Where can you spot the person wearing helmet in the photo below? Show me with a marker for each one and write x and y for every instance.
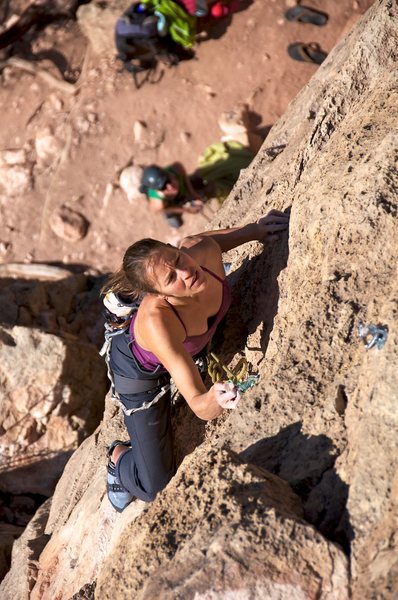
(170, 191)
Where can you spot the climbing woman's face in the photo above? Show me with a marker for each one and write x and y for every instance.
(175, 273)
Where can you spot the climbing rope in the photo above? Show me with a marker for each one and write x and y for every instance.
(238, 375)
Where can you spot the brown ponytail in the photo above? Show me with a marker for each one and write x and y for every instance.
(132, 278)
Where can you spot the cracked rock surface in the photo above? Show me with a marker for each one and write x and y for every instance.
(294, 494)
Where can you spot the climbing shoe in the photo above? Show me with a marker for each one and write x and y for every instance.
(118, 496)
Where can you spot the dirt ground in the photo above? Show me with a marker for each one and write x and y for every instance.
(245, 60)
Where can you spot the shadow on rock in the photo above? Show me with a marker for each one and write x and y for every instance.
(255, 296)
(306, 462)
(54, 381)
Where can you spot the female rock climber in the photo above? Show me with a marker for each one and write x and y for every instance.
(185, 296)
(170, 191)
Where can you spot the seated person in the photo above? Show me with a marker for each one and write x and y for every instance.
(170, 191)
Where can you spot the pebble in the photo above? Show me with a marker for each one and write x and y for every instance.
(13, 157)
(107, 196)
(92, 117)
(47, 147)
(185, 136)
(69, 224)
(15, 180)
(139, 129)
(4, 247)
(56, 102)
(130, 181)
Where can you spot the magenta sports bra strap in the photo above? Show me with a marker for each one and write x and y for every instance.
(214, 275)
(177, 315)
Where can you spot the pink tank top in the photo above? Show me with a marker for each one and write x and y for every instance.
(193, 344)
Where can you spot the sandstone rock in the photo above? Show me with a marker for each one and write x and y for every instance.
(5, 247)
(48, 147)
(98, 23)
(13, 157)
(69, 224)
(140, 130)
(25, 552)
(8, 534)
(185, 137)
(130, 181)
(56, 300)
(322, 416)
(51, 399)
(56, 102)
(15, 178)
(336, 169)
(79, 508)
(235, 125)
(148, 137)
(234, 537)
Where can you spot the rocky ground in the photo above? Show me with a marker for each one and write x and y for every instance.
(63, 146)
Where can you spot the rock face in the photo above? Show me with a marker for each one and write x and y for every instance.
(322, 418)
(53, 384)
(51, 399)
(204, 551)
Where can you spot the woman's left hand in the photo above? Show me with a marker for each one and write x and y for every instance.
(271, 225)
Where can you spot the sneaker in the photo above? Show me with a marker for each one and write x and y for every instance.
(118, 496)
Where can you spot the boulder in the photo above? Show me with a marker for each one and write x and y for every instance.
(239, 535)
(15, 173)
(69, 224)
(51, 399)
(97, 22)
(48, 147)
(130, 181)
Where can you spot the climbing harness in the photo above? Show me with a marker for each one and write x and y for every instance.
(128, 385)
(238, 376)
(121, 314)
(373, 335)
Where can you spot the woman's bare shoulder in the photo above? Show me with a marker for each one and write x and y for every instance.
(152, 306)
(155, 312)
(197, 245)
(204, 250)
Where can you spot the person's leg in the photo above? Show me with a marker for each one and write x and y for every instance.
(147, 467)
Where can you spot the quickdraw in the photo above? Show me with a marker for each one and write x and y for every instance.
(238, 375)
(373, 335)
